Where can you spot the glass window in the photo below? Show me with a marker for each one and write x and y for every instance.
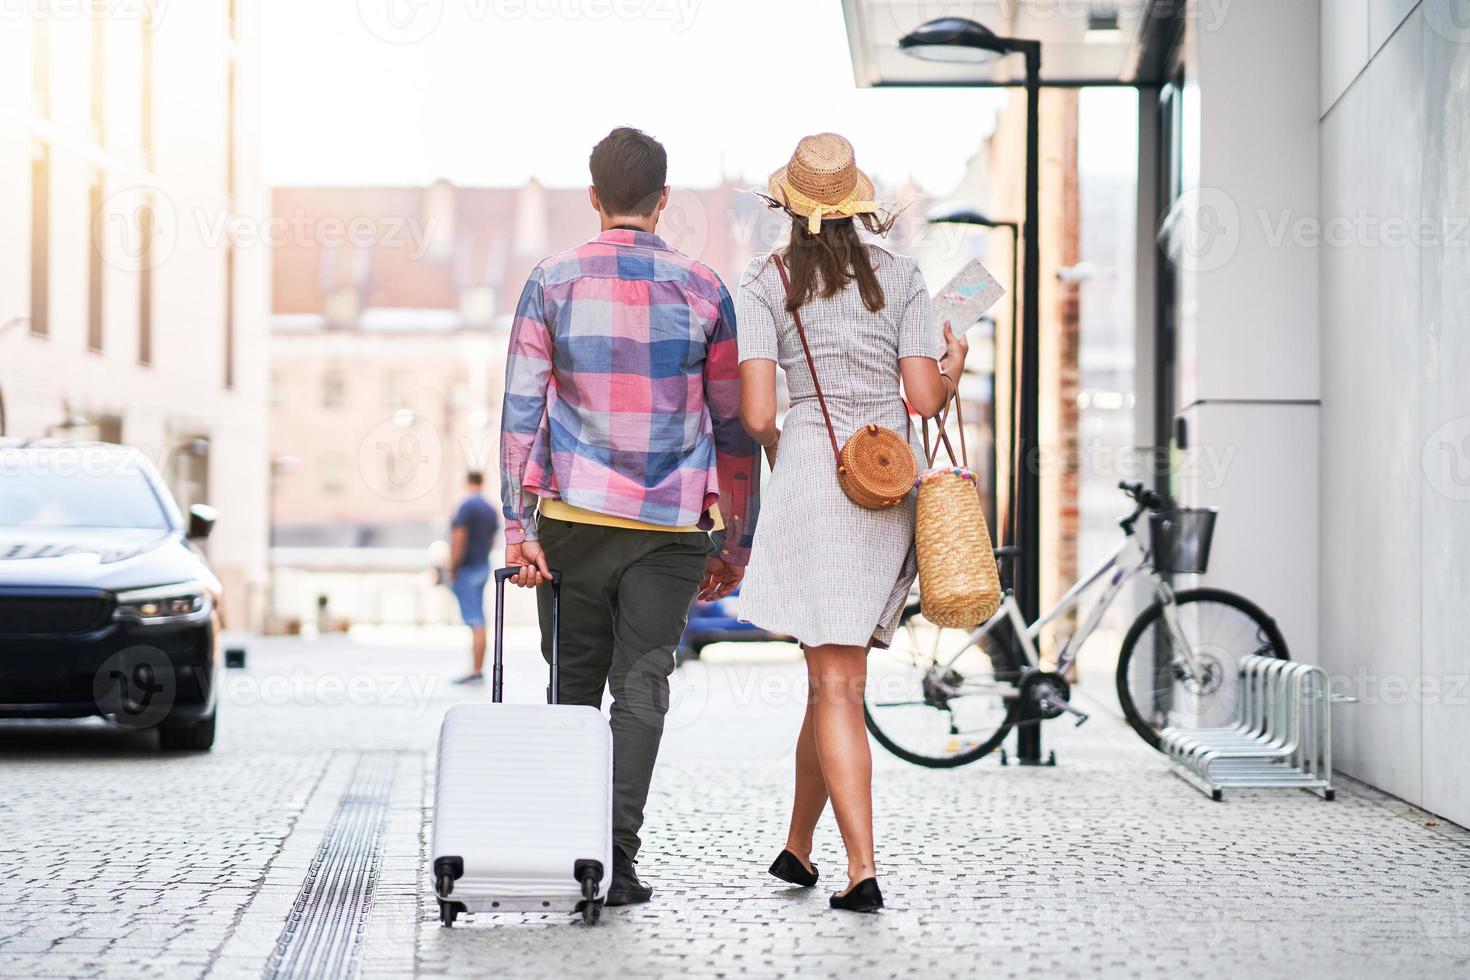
(41, 239)
(95, 263)
(40, 488)
(333, 473)
(334, 389)
(145, 280)
(396, 390)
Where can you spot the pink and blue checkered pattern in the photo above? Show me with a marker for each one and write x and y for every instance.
(622, 393)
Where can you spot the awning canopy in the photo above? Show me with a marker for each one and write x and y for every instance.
(1083, 41)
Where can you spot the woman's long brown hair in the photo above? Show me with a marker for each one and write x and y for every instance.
(823, 264)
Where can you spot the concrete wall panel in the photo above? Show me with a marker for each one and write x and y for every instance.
(1445, 422)
(1384, 17)
(1255, 335)
(1372, 580)
(1344, 47)
(1257, 463)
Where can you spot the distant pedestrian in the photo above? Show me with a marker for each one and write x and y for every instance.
(471, 535)
(825, 570)
(621, 450)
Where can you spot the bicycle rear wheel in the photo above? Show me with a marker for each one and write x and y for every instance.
(935, 699)
(1155, 687)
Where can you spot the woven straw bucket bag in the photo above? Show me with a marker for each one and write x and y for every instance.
(876, 466)
(959, 583)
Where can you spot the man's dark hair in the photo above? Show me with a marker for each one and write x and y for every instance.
(475, 478)
(629, 170)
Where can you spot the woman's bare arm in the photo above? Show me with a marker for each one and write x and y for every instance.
(758, 401)
(927, 383)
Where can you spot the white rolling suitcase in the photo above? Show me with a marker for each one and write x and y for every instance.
(522, 798)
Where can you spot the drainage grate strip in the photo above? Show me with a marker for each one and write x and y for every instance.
(323, 934)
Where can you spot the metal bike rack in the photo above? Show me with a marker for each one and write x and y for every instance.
(1281, 738)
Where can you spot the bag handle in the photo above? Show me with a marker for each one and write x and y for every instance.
(553, 689)
(810, 363)
(939, 420)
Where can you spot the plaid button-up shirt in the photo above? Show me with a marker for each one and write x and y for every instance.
(622, 393)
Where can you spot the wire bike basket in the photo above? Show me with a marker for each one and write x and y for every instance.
(1180, 539)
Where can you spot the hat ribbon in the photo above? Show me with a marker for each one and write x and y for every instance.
(847, 207)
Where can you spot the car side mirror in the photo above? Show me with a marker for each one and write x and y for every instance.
(201, 520)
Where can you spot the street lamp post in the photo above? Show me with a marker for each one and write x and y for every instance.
(957, 40)
(966, 215)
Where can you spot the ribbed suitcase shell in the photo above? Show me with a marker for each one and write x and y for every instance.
(523, 792)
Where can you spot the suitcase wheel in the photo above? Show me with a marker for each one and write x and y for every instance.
(589, 873)
(448, 912)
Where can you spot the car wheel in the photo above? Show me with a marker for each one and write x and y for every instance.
(187, 736)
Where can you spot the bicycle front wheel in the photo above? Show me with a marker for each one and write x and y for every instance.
(1159, 686)
(937, 700)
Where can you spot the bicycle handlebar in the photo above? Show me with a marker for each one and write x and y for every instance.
(1145, 497)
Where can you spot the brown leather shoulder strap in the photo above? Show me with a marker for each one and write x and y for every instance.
(810, 364)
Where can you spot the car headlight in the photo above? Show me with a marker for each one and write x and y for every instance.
(163, 604)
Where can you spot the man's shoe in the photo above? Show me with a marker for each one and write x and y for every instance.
(475, 678)
(625, 889)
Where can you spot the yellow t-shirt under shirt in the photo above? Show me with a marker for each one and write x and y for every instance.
(560, 510)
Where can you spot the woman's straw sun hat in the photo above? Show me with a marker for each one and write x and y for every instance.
(822, 180)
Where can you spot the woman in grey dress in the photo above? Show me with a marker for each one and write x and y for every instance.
(825, 570)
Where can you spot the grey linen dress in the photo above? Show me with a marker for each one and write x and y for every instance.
(823, 569)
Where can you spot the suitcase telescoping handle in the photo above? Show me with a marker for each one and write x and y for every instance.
(553, 690)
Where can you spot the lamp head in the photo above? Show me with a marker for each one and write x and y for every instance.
(961, 214)
(954, 39)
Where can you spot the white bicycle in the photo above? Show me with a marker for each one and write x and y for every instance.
(945, 698)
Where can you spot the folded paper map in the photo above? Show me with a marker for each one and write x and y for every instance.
(966, 297)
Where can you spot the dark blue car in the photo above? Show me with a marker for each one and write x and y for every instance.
(107, 604)
(716, 622)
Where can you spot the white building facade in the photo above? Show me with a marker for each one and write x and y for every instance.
(1318, 241)
(133, 298)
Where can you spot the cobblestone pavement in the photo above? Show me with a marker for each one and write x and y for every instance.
(116, 861)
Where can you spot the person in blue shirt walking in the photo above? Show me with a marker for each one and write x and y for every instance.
(472, 533)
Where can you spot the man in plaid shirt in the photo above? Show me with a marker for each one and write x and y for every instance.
(623, 462)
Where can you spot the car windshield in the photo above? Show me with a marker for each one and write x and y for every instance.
(65, 488)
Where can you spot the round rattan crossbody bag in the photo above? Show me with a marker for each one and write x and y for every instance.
(876, 467)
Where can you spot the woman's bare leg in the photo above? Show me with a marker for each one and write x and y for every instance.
(837, 677)
(811, 791)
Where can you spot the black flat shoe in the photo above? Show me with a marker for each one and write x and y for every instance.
(788, 867)
(862, 897)
(625, 888)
